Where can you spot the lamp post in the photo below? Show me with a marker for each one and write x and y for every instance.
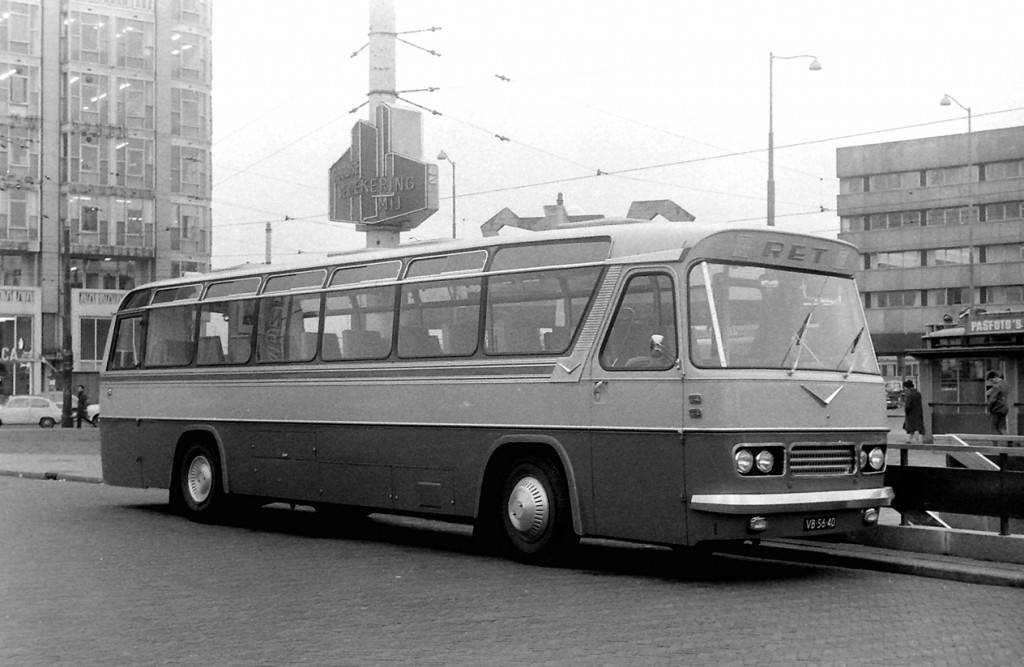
(946, 101)
(814, 67)
(444, 156)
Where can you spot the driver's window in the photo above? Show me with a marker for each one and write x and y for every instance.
(643, 333)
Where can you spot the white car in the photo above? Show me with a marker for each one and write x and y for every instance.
(30, 410)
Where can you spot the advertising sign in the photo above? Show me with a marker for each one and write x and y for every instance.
(375, 184)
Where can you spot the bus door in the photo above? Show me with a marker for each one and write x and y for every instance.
(636, 414)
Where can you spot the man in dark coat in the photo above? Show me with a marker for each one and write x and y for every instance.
(914, 422)
(996, 400)
(83, 404)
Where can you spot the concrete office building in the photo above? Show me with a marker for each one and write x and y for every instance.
(105, 129)
(915, 209)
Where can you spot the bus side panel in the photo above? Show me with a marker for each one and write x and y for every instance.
(638, 486)
(137, 455)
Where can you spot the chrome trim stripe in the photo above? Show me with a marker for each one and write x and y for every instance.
(810, 501)
(510, 428)
(823, 432)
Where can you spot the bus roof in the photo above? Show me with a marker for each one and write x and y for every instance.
(629, 238)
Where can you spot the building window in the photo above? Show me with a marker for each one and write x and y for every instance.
(853, 223)
(897, 181)
(16, 223)
(1004, 211)
(951, 175)
(133, 221)
(87, 98)
(895, 299)
(188, 113)
(999, 294)
(951, 216)
(189, 232)
(188, 170)
(906, 259)
(134, 41)
(19, 152)
(93, 332)
(945, 256)
(894, 219)
(999, 171)
(189, 53)
(135, 103)
(89, 37)
(851, 185)
(950, 296)
(191, 11)
(18, 26)
(12, 270)
(135, 163)
(1003, 252)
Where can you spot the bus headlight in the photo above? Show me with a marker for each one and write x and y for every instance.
(744, 461)
(872, 458)
(765, 461)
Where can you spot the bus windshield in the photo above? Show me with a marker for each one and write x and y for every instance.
(763, 317)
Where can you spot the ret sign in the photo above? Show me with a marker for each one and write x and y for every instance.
(374, 184)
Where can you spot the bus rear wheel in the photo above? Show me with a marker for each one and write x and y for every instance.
(197, 492)
(534, 512)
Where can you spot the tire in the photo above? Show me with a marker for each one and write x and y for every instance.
(196, 491)
(47, 422)
(534, 512)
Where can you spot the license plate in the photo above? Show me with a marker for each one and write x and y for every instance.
(819, 523)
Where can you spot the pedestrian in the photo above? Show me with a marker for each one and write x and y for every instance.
(83, 405)
(996, 400)
(913, 422)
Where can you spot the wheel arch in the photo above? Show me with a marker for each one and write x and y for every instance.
(209, 435)
(509, 447)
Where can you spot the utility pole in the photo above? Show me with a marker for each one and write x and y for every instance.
(67, 355)
(267, 260)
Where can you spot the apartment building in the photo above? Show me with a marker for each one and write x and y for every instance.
(939, 223)
(105, 126)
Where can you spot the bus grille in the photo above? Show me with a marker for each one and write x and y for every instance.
(822, 460)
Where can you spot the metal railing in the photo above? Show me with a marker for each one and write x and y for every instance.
(990, 483)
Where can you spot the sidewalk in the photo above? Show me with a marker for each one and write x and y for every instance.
(957, 555)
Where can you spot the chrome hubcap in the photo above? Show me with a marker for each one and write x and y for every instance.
(528, 507)
(199, 479)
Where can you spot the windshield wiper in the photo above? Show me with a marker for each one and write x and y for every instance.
(852, 350)
(798, 342)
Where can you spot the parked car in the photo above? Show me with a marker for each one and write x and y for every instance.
(26, 409)
(92, 414)
(894, 395)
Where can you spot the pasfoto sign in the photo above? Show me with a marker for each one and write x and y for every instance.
(375, 183)
(997, 324)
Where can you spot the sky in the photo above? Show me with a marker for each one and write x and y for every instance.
(669, 98)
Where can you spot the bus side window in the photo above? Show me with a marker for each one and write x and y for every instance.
(225, 332)
(169, 336)
(362, 320)
(287, 328)
(643, 333)
(127, 343)
(434, 311)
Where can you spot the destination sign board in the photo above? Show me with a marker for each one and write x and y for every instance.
(374, 184)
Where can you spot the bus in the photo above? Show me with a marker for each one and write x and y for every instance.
(674, 384)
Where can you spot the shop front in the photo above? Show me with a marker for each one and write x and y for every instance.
(20, 362)
(954, 362)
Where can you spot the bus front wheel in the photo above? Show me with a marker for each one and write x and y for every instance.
(197, 492)
(534, 511)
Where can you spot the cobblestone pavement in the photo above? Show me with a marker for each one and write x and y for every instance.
(99, 575)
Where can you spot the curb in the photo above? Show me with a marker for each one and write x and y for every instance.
(886, 560)
(52, 476)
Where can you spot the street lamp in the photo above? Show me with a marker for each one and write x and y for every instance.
(444, 156)
(815, 66)
(948, 100)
